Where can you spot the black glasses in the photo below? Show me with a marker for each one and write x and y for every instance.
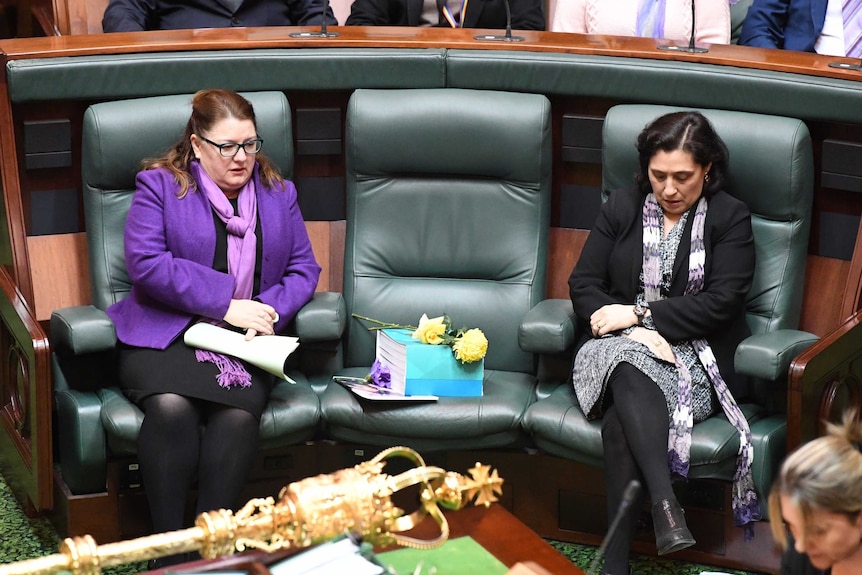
(231, 149)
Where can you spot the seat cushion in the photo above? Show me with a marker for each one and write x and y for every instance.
(291, 416)
(492, 420)
(557, 425)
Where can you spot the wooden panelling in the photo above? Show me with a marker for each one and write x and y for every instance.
(565, 247)
(60, 272)
(825, 280)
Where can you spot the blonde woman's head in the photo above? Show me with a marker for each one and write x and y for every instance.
(818, 495)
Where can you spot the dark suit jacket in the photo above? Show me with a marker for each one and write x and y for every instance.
(136, 15)
(787, 24)
(170, 246)
(609, 268)
(526, 14)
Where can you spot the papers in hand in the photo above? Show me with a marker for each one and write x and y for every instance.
(268, 352)
(367, 390)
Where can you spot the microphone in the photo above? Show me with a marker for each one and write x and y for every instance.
(691, 48)
(508, 37)
(324, 33)
(629, 496)
(846, 66)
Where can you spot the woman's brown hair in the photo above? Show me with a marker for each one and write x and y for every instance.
(208, 108)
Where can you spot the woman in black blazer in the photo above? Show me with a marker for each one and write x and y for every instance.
(659, 292)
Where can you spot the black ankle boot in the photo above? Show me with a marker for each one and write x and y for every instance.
(671, 532)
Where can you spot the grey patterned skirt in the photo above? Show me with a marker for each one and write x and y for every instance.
(598, 358)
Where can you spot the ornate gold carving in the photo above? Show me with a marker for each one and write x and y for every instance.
(310, 511)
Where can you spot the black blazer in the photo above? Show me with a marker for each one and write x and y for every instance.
(526, 14)
(795, 563)
(137, 15)
(609, 268)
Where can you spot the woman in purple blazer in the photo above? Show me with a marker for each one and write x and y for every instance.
(214, 234)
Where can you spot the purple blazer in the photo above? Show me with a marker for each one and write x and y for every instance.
(170, 247)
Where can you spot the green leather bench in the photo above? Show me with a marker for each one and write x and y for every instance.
(448, 212)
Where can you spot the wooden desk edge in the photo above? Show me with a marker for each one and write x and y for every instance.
(419, 38)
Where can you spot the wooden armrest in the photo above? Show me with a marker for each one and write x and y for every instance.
(827, 375)
(25, 416)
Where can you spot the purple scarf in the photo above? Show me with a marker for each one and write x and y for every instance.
(744, 500)
(241, 254)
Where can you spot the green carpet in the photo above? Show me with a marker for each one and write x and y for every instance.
(26, 538)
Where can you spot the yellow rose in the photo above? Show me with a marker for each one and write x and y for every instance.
(470, 346)
(430, 330)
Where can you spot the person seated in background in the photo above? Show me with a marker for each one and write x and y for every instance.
(832, 27)
(669, 19)
(526, 14)
(815, 507)
(138, 15)
(659, 292)
(214, 234)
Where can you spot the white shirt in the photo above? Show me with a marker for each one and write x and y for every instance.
(831, 39)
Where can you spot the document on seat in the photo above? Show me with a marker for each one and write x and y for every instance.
(268, 352)
(360, 387)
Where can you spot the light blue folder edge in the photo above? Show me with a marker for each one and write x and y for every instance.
(433, 369)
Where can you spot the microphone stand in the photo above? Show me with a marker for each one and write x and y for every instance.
(691, 48)
(508, 37)
(629, 496)
(324, 33)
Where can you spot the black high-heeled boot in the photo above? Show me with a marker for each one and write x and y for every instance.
(671, 531)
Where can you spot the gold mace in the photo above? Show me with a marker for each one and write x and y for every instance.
(354, 500)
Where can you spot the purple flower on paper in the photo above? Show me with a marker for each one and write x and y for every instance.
(379, 375)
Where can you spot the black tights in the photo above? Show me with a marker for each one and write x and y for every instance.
(183, 439)
(634, 441)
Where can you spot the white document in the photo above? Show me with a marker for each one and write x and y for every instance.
(268, 352)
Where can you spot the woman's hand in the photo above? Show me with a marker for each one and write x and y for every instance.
(253, 316)
(612, 317)
(653, 340)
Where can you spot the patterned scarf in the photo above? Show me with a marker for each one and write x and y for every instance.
(650, 21)
(745, 508)
(241, 254)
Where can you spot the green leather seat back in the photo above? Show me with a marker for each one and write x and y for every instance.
(448, 201)
(771, 170)
(117, 136)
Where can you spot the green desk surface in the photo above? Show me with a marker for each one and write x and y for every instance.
(460, 556)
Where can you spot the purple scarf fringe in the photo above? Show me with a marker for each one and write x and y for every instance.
(231, 370)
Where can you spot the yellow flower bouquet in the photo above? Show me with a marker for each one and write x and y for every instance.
(411, 360)
(468, 345)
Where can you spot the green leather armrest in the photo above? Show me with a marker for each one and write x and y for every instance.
(83, 458)
(768, 355)
(548, 328)
(322, 319)
(769, 438)
(82, 329)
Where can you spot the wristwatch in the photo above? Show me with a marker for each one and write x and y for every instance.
(641, 308)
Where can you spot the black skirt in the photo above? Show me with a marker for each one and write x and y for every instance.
(145, 371)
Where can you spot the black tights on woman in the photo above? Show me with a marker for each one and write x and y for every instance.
(185, 439)
(634, 439)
